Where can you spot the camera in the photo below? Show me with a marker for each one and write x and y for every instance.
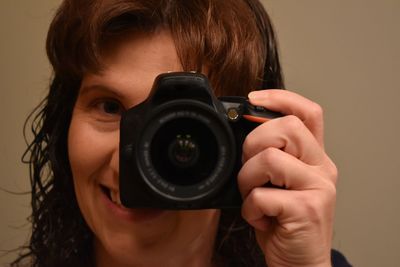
(181, 147)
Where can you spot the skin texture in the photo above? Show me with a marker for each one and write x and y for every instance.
(293, 223)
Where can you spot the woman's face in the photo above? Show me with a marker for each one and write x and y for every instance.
(121, 234)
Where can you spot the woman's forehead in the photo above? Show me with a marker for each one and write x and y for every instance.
(139, 55)
(131, 65)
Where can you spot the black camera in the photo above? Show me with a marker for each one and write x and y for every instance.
(181, 148)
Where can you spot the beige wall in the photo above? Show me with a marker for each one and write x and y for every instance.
(24, 74)
(343, 54)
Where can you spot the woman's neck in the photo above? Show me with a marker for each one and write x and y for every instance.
(197, 252)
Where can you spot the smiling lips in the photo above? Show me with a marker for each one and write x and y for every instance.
(113, 202)
(112, 195)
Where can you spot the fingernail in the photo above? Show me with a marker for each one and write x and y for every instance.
(256, 95)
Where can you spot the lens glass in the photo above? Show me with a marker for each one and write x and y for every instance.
(184, 151)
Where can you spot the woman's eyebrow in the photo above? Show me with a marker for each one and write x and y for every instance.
(99, 87)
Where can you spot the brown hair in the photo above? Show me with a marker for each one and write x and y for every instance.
(233, 39)
(227, 36)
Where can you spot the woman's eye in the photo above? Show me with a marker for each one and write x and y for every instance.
(110, 107)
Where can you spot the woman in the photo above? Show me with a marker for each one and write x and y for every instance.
(105, 56)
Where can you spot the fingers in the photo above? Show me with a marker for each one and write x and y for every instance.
(307, 190)
(290, 103)
(289, 207)
(266, 167)
(307, 193)
(288, 134)
(296, 218)
(257, 215)
(264, 203)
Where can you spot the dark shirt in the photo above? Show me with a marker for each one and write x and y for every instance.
(338, 260)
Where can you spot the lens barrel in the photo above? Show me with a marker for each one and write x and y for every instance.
(186, 151)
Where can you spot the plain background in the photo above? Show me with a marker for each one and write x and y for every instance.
(344, 54)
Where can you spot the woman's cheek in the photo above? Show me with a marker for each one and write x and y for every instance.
(90, 147)
(90, 152)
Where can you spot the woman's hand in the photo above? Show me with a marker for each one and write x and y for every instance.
(293, 222)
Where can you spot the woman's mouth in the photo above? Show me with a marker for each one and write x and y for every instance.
(113, 203)
(112, 195)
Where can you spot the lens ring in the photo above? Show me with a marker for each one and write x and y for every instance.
(200, 113)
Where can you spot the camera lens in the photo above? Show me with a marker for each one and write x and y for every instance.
(186, 152)
(183, 152)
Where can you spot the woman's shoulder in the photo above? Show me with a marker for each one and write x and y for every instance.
(338, 259)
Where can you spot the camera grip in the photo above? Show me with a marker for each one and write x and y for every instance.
(258, 114)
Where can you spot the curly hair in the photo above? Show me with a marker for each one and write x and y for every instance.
(233, 38)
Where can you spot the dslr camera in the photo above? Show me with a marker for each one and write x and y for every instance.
(181, 148)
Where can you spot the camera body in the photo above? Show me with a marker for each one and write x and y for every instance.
(181, 147)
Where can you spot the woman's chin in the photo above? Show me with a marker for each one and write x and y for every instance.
(122, 246)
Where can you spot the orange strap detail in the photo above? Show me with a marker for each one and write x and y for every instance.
(256, 119)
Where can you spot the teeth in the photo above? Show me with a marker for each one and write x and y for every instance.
(115, 197)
